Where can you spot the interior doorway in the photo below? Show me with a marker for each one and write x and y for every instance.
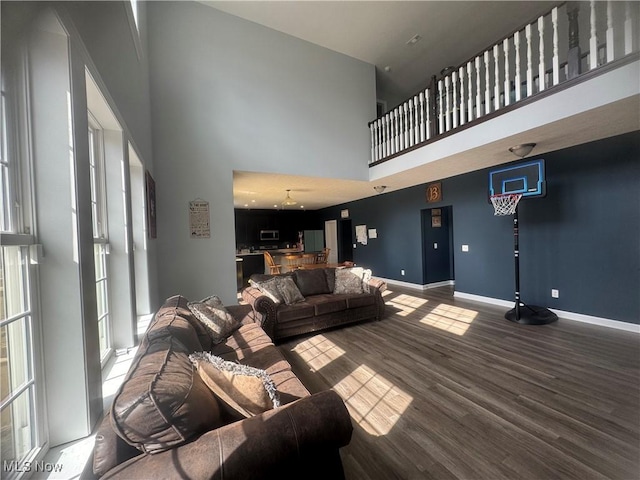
(345, 248)
(437, 246)
(331, 239)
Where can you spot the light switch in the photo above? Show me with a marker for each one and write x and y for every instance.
(465, 248)
(435, 246)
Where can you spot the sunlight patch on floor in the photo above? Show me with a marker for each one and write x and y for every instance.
(407, 304)
(318, 351)
(373, 402)
(450, 318)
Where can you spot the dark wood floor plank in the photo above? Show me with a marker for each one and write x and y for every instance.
(445, 388)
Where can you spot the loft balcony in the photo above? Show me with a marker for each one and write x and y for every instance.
(569, 77)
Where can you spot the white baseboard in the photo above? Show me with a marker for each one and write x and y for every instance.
(578, 317)
(416, 286)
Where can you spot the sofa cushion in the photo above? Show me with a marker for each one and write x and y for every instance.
(247, 339)
(357, 301)
(170, 324)
(110, 450)
(173, 306)
(243, 389)
(289, 386)
(328, 303)
(311, 282)
(330, 274)
(288, 313)
(215, 318)
(163, 402)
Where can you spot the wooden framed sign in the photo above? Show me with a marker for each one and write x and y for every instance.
(434, 192)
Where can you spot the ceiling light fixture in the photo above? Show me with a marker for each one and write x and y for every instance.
(288, 201)
(413, 40)
(380, 188)
(522, 150)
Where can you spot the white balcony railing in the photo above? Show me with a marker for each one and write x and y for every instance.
(572, 39)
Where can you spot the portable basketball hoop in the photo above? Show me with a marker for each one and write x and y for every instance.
(505, 204)
(507, 186)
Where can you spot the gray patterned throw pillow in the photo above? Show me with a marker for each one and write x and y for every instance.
(218, 322)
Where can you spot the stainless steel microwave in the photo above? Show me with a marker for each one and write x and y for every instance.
(269, 235)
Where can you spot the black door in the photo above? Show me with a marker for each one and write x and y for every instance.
(437, 245)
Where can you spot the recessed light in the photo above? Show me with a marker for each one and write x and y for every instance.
(413, 40)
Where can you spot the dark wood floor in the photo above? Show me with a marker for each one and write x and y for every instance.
(445, 388)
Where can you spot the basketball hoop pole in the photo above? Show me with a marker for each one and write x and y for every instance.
(531, 315)
(516, 255)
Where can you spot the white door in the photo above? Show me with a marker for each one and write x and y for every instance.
(331, 239)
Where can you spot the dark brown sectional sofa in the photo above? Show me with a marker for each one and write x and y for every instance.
(163, 422)
(321, 308)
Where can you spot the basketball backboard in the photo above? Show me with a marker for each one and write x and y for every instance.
(526, 178)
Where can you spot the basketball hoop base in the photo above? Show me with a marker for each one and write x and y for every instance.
(531, 315)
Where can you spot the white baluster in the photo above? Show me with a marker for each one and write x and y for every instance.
(427, 108)
(396, 129)
(440, 108)
(384, 137)
(373, 145)
(470, 90)
(628, 29)
(529, 62)
(447, 118)
(496, 77)
(416, 119)
(403, 126)
(518, 78)
(478, 90)
(593, 39)
(390, 142)
(487, 83)
(410, 123)
(541, 70)
(556, 57)
(422, 126)
(454, 99)
(463, 99)
(610, 47)
(379, 139)
(507, 79)
(405, 129)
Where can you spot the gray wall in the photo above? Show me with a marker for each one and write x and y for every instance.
(582, 239)
(227, 95)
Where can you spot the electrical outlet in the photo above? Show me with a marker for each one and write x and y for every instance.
(402, 272)
(555, 293)
(465, 248)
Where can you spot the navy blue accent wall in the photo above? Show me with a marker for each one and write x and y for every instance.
(583, 238)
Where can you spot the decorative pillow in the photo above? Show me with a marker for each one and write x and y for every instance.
(348, 280)
(270, 289)
(245, 391)
(215, 318)
(289, 291)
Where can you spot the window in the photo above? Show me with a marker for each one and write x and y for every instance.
(19, 383)
(100, 234)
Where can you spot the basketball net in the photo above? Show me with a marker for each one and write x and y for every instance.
(505, 204)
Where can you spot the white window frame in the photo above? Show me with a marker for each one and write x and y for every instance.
(100, 235)
(17, 231)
